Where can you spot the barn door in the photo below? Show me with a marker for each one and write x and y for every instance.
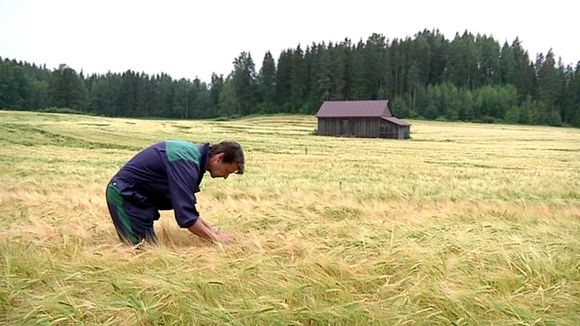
(344, 128)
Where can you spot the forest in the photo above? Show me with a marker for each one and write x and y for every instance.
(469, 78)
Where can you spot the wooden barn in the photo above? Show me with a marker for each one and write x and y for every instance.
(371, 119)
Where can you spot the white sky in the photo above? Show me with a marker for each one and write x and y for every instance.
(193, 38)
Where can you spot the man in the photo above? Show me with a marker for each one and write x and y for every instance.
(165, 176)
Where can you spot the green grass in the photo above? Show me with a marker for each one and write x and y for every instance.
(463, 224)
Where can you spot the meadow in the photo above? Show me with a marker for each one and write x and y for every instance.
(464, 224)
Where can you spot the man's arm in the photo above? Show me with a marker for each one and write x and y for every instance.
(204, 231)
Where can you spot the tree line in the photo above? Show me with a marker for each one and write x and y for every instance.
(469, 78)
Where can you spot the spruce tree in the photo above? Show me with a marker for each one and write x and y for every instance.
(244, 83)
(67, 89)
(216, 87)
(266, 81)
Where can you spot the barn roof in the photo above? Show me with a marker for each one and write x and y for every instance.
(397, 121)
(363, 109)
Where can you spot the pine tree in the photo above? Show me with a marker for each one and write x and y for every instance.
(297, 81)
(67, 89)
(420, 56)
(524, 74)
(567, 98)
(359, 82)
(266, 81)
(228, 102)
(341, 67)
(438, 46)
(312, 68)
(393, 73)
(507, 65)
(199, 96)
(127, 94)
(283, 81)
(374, 65)
(215, 90)
(575, 110)
(324, 77)
(462, 67)
(10, 80)
(548, 87)
(413, 83)
(244, 83)
(488, 54)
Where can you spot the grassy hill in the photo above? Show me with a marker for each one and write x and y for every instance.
(462, 224)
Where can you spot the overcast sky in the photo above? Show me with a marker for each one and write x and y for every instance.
(195, 38)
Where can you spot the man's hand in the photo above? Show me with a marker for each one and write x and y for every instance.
(224, 238)
(204, 231)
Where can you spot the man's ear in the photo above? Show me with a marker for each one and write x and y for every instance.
(220, 157)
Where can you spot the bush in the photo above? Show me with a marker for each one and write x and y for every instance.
(61, 110)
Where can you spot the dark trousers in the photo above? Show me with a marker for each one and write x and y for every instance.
(134, 223)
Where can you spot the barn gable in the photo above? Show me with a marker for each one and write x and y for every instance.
(360, 119)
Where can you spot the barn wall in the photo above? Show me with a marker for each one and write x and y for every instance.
(394, 131)
(349, 127)
(361, 127)
(404, 132)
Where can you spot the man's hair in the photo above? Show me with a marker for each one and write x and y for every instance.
(232, 153)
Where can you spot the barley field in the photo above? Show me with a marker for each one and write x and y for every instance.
(464, 224)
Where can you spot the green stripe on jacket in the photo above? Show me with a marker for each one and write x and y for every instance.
(182, 150)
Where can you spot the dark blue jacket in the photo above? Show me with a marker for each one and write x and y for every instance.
(165, 176)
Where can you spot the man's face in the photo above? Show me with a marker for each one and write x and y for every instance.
(219, 169)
